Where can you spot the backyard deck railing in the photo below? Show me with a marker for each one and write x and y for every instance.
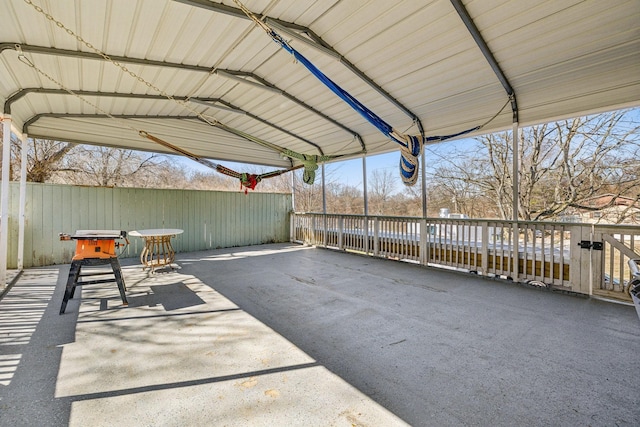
(583, 258)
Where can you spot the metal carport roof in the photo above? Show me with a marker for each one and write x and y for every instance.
(402, 59)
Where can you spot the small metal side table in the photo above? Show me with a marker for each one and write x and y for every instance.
(158, 251)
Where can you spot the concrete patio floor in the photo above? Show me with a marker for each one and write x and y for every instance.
(284, 334)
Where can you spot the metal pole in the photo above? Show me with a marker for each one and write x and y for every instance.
(515, 172)
(324, 192)
(364, 185)
(293, 190)
(424, 183)
(324, 208)
(4, 199)
(23, 200)
(515, 181)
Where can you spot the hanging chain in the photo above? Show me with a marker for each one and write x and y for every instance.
(247, 180)
(183, 103)
(207, 119)
(253, 17)
(22, 58)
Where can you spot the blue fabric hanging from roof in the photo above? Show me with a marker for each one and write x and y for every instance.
(411, 145)
(371, 117)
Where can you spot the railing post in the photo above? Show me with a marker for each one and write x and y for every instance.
(515, 252)
(340, 232)
(580, 264)
(313, 230)
(484, 248)
(365, 235)
(325, 240)
(376, 233)
(597, 261)
(423, 241)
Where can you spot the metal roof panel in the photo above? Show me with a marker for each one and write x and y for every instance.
(562, 58)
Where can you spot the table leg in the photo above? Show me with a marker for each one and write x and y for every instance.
(157, 252)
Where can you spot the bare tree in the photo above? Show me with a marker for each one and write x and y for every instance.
(111, 167)
(592, 155)
(561, 165)
(166, 174)
(381, 188)
(212, 181)
(412, 199)
(344, 199)
(45, 158)
(308, 198)
(457, 183)
(67, 163)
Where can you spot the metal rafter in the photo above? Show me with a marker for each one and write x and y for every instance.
(240, 76)
(488, 54)
(37, 117)
(314, 40)
(202, 101)
(484, 48)
(260, 80)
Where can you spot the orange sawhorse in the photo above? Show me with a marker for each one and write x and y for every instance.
(94, 248)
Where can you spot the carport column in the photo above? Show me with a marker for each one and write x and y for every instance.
(23, 200)
(365, 228)
(324, 208)
(292, 215)
(364, 185)
(423, 180)
(4, 199)
(293, 191)
(324, 192)
(515, 171)
(424, 255)
(325, 238)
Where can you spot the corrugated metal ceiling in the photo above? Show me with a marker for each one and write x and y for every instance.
(562, 57)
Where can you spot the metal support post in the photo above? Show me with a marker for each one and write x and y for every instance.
(324, 208)
(4, 202)
(423, 182)
(23, 200)
(324, 191)
(515, 171)
(364, 185)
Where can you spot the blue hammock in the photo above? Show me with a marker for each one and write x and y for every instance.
(411, 144)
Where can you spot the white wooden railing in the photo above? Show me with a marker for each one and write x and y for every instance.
(583, 258)
(620, 244)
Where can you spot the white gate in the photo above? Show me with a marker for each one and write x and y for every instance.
(618, 245)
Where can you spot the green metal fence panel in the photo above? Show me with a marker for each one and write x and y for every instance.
(210, 219)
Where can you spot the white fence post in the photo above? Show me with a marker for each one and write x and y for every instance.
(424, 232)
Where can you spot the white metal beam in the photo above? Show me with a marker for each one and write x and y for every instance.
(364, 185)
(23, 200)
(423, 181)
(515, 171)
(4, 199)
